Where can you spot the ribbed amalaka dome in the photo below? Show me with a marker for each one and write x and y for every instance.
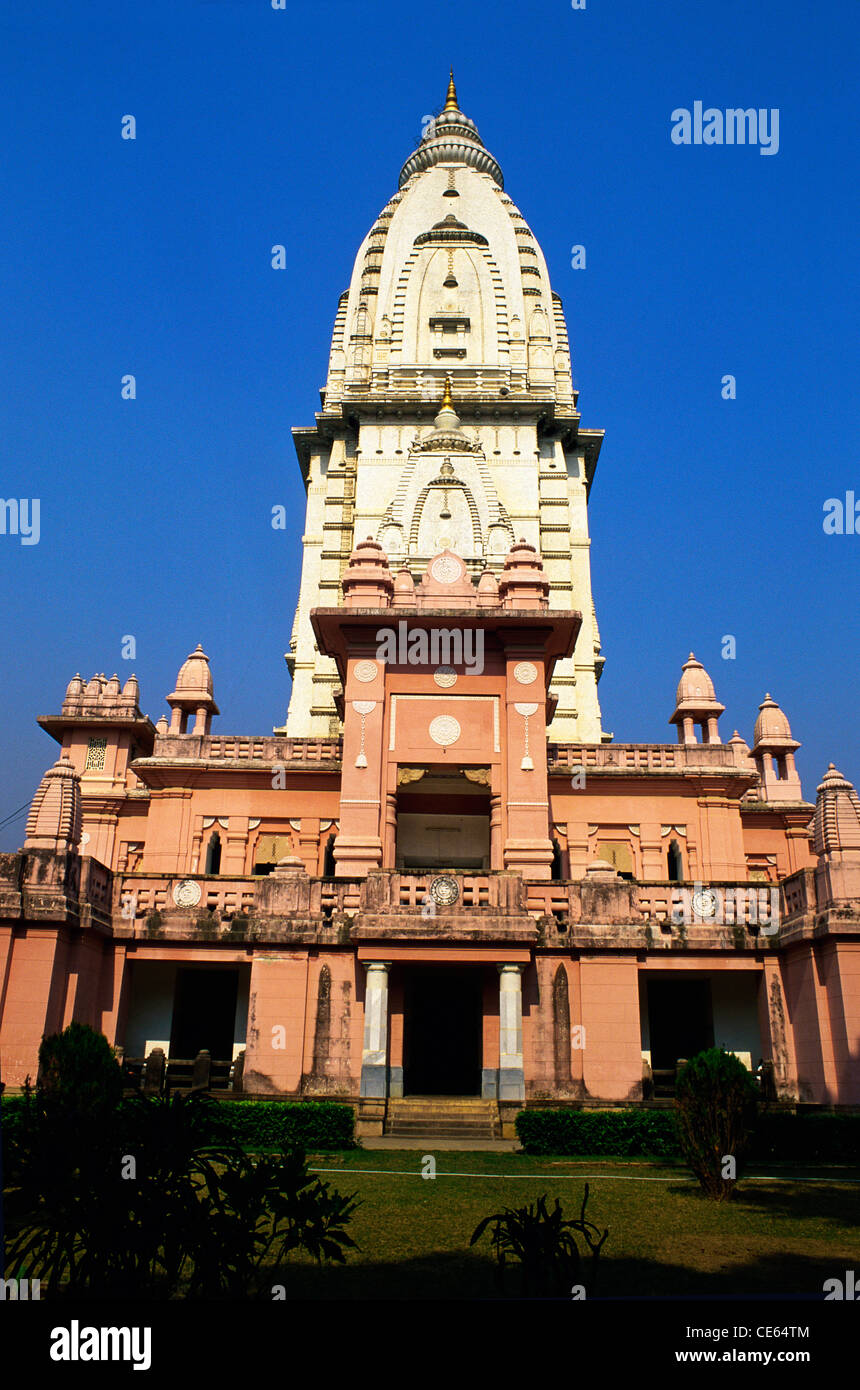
(75, 687)
(447, 433)
(521, 553)
(112, 689)
(695, 684)
(772, 728)
(54, 821)
(836, 823)
(131, 690)
(451, 138)
(195, 677)
(162, 726)
(368, 554)
(447, 417)
(93, 690)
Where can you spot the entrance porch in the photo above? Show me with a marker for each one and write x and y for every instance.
(443, 1022)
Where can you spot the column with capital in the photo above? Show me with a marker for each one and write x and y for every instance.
(374, 1051)
(512, 1084)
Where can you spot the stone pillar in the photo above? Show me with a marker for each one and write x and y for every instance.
(309, 844)
(512, 1084)
(202, 1071)
(374, 1051)
(496, 859)
(234, 852)
(389, 856)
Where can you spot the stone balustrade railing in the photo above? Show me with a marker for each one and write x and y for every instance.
(96, 886)
(639, 757)
(607, 900)
(797, 894)
(237, 748)
(394, 891)
(137, 896)
(594, 899)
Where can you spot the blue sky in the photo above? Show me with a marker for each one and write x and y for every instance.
(256, 127)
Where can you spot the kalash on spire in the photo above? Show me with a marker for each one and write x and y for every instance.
(450, 300)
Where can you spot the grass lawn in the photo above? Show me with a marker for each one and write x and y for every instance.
(776, 1237)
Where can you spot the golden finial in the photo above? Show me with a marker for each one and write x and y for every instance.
(451, 99)
(447, 402)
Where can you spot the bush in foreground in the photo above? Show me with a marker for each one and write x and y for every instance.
(717, 1098)
(544, 1246)
(146, 1202)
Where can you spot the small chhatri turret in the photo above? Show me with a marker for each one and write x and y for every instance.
(696, 703)
(194, 694)
(367, 580)
(773, 752)
(523, 582)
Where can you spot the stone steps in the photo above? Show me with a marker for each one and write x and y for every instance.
(442, 1117)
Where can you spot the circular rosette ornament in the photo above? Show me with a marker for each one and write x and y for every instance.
(444, 890)
(187, 893)
(704, 902)
(444, 730)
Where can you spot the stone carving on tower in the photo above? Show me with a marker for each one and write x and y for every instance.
(449, 417)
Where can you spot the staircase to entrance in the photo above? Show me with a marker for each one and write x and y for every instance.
(442, 1117)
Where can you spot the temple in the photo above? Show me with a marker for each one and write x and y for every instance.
(440, 888)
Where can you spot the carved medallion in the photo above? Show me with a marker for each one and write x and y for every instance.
(187, 893)
(365, 671)
(444, 730)
(445, 677)
(446, 569)
(444, 890)
(705, 902)
(525, 672)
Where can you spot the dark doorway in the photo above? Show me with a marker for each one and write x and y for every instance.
(213, 854)
(675, 863)
(442, 1031)
(329, 865)
(680, 1020)
(204, 1013)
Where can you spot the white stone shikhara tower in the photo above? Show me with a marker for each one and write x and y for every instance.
(448, 283)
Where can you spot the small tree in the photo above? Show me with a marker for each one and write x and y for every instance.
(716, 1116)
(78, 1071)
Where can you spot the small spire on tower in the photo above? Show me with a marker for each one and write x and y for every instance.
(447, 399)
(451, 98)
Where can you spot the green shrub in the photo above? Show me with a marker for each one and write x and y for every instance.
(716, 1114)
(189, 1215)
(253, 1124)
(819, 1136)
(78, 1070)
(261, 1124)
(627, 1133)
